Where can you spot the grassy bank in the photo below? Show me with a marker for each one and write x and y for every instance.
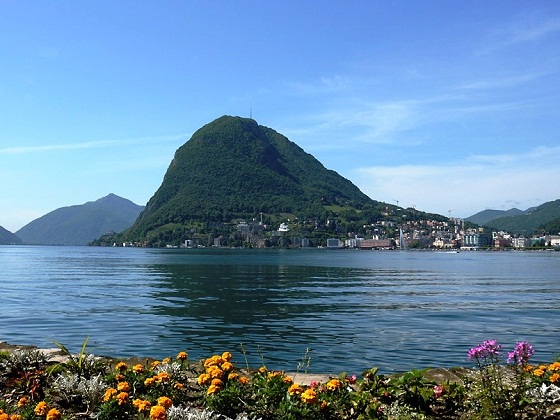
(37, 384)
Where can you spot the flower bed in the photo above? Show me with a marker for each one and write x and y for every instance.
(34, 385)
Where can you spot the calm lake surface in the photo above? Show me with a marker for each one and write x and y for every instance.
(352, 309)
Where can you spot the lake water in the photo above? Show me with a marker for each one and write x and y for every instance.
(352, 309)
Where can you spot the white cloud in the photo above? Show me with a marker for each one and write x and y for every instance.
(15, 150)
(469, 185)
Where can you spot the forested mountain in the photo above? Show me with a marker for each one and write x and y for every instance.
(80, 224)
(529, 222)
(233, 168)
(484, 216)
(8, 238)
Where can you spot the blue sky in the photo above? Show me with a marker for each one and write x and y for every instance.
(448, 106)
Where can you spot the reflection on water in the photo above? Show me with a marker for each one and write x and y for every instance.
(352, 309)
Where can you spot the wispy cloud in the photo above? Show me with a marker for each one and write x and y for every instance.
(16, 150)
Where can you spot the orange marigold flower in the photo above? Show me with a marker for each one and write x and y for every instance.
(178, 385)
(227, 366)
(122, 398)
(204, 379)
(165, 402)
(109, 394)
(138, 368)
(119, 377)
(166, 361)
(155, 364)
(182, 355)
(243, 380)
(141, 405)
(309, 396)
(554, 366)
(262, 370)
(555, 378)
(538, 372)
(16, 417)
(324, 405)
(214, 361)
(54, 414)
(233, 376)
(528, 368)
(543, 367)
(217, 382)
(215, 372)
(334, 385)
(213, 389)
(41, 409)
(157, 412)
(227, 356)
(288, 380)
(4, 416)
(121, 366)
(295, 389)
(163, 377)
(149, 381)
(123, 386)
(23, 401)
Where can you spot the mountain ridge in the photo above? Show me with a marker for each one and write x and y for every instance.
(233, 168)
(82, 223)
(8, 238)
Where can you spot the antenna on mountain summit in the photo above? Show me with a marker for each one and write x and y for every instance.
(251, 112)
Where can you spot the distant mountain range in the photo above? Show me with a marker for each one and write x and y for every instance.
(8, 238)
(81, 224)
(544, 218)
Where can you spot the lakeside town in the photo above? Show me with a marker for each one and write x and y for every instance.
(453, 234)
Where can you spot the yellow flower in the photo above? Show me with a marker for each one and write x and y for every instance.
(138, 368)
(295, 389)
(23, 401)
(119, 377)
(157, 412)
(262, 370)
(182, 355)
(155, 364)
(213, 389)
(41, 409)
(333, 385)
(555, 377)
(324, 405)
(288, 380)
(54, 414)
(227, 356)
(122, 398)
(121, 366)
(538, 372)
(16, 417)
(204, 379)
(123, 386)
(309, 396)
(243, 380)
(166, 361)
(109, 394)
(528, 368)
(233, 376)
(149, 381)
(165, 402)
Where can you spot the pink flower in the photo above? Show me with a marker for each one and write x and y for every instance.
(438, 391)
